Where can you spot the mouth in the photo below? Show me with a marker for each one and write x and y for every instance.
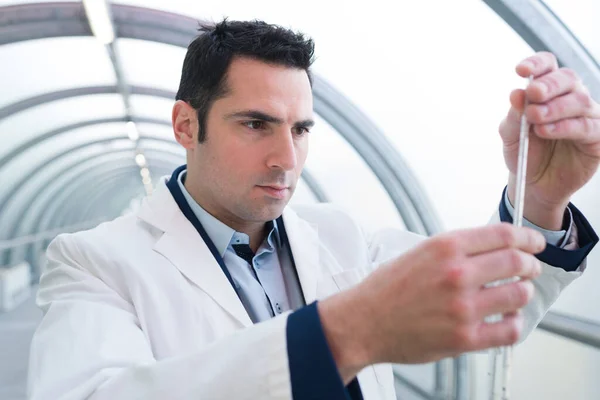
(277, 192)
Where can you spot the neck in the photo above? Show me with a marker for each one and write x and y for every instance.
(256, 231)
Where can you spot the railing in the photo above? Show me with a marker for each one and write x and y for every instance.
(574, 328)
(46, 235)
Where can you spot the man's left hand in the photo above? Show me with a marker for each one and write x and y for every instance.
(564, 142)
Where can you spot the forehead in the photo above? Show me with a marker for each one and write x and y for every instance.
(275, 88)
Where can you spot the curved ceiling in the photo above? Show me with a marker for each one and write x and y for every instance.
(53, 176)
(29, 155)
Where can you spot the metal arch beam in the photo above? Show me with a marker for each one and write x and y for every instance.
(83, 196)
(386, 163)
(71, 189)
(120, 179)
(55, 187)
(35, 206)
(53, 204)
(349, 121)
(6, 257)
(544, 31)
(61, 172)
(369, 142)
(77, 194)
(35, 101)
(314, 186)
(61, 189)
(25, 22)
(139, 23)
(30, 251)
(42, 20)
(14, 108)
(15, 188)
(177, 37)
(101, 195)
(88, 203)
(409, 199)
(63, 129)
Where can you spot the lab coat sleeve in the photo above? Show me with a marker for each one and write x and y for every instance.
(90, 346)
(560, 266)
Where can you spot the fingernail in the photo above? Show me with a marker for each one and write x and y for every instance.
(543, 110)
(550, 128)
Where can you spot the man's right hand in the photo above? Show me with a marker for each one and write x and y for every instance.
(430, 303)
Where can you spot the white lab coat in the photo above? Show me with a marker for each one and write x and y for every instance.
(138, 308)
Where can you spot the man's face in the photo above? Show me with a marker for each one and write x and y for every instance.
(256, 142)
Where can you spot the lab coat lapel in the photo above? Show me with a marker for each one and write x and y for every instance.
(184, 248)
(303, 238)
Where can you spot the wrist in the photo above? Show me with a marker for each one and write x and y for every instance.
(537, 210)
(346, 333)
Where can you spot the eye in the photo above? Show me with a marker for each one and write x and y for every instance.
(255, 125)
(301, 130)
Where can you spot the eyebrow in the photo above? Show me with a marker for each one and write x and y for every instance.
(261, 116)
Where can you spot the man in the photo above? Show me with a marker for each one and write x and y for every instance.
(210, 291)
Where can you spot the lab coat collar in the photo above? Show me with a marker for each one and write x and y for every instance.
(183, 247)
(303, 239)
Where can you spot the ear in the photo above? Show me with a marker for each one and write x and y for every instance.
(185, 124)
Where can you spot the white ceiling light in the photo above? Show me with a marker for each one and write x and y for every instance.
(145, 172)
(132, 131)
(98, 15)
(140, 160)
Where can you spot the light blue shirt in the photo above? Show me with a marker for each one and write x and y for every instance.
(555, 238)
(266, 287)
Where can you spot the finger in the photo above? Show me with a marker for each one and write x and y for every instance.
(502, 264)
(502, 299)
(539, 64)
(517, 99)
(551, 85)
(499, 236)
(571, 105)
(583, 130)
(503, 333)
(510, 126)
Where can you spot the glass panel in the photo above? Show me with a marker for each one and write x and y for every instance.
(28, 124)
(348, 181)
(154, 130)
(412, 93)
(303, 194)
(582, 297)
(16, 331)
(151, 64)
(14, 2)
(41, 66)
(581, 17)
(421, 376)
(549, 367)
(36, 178)
(152, 107)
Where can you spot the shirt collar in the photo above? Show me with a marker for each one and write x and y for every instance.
(219, 233)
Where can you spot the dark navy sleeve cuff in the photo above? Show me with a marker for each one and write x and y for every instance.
(313, 372)
(569, 260)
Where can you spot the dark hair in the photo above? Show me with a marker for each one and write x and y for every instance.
(203, 77)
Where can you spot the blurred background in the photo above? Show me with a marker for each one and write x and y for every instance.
(408, 97)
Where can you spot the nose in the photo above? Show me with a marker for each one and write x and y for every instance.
(283, 151)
